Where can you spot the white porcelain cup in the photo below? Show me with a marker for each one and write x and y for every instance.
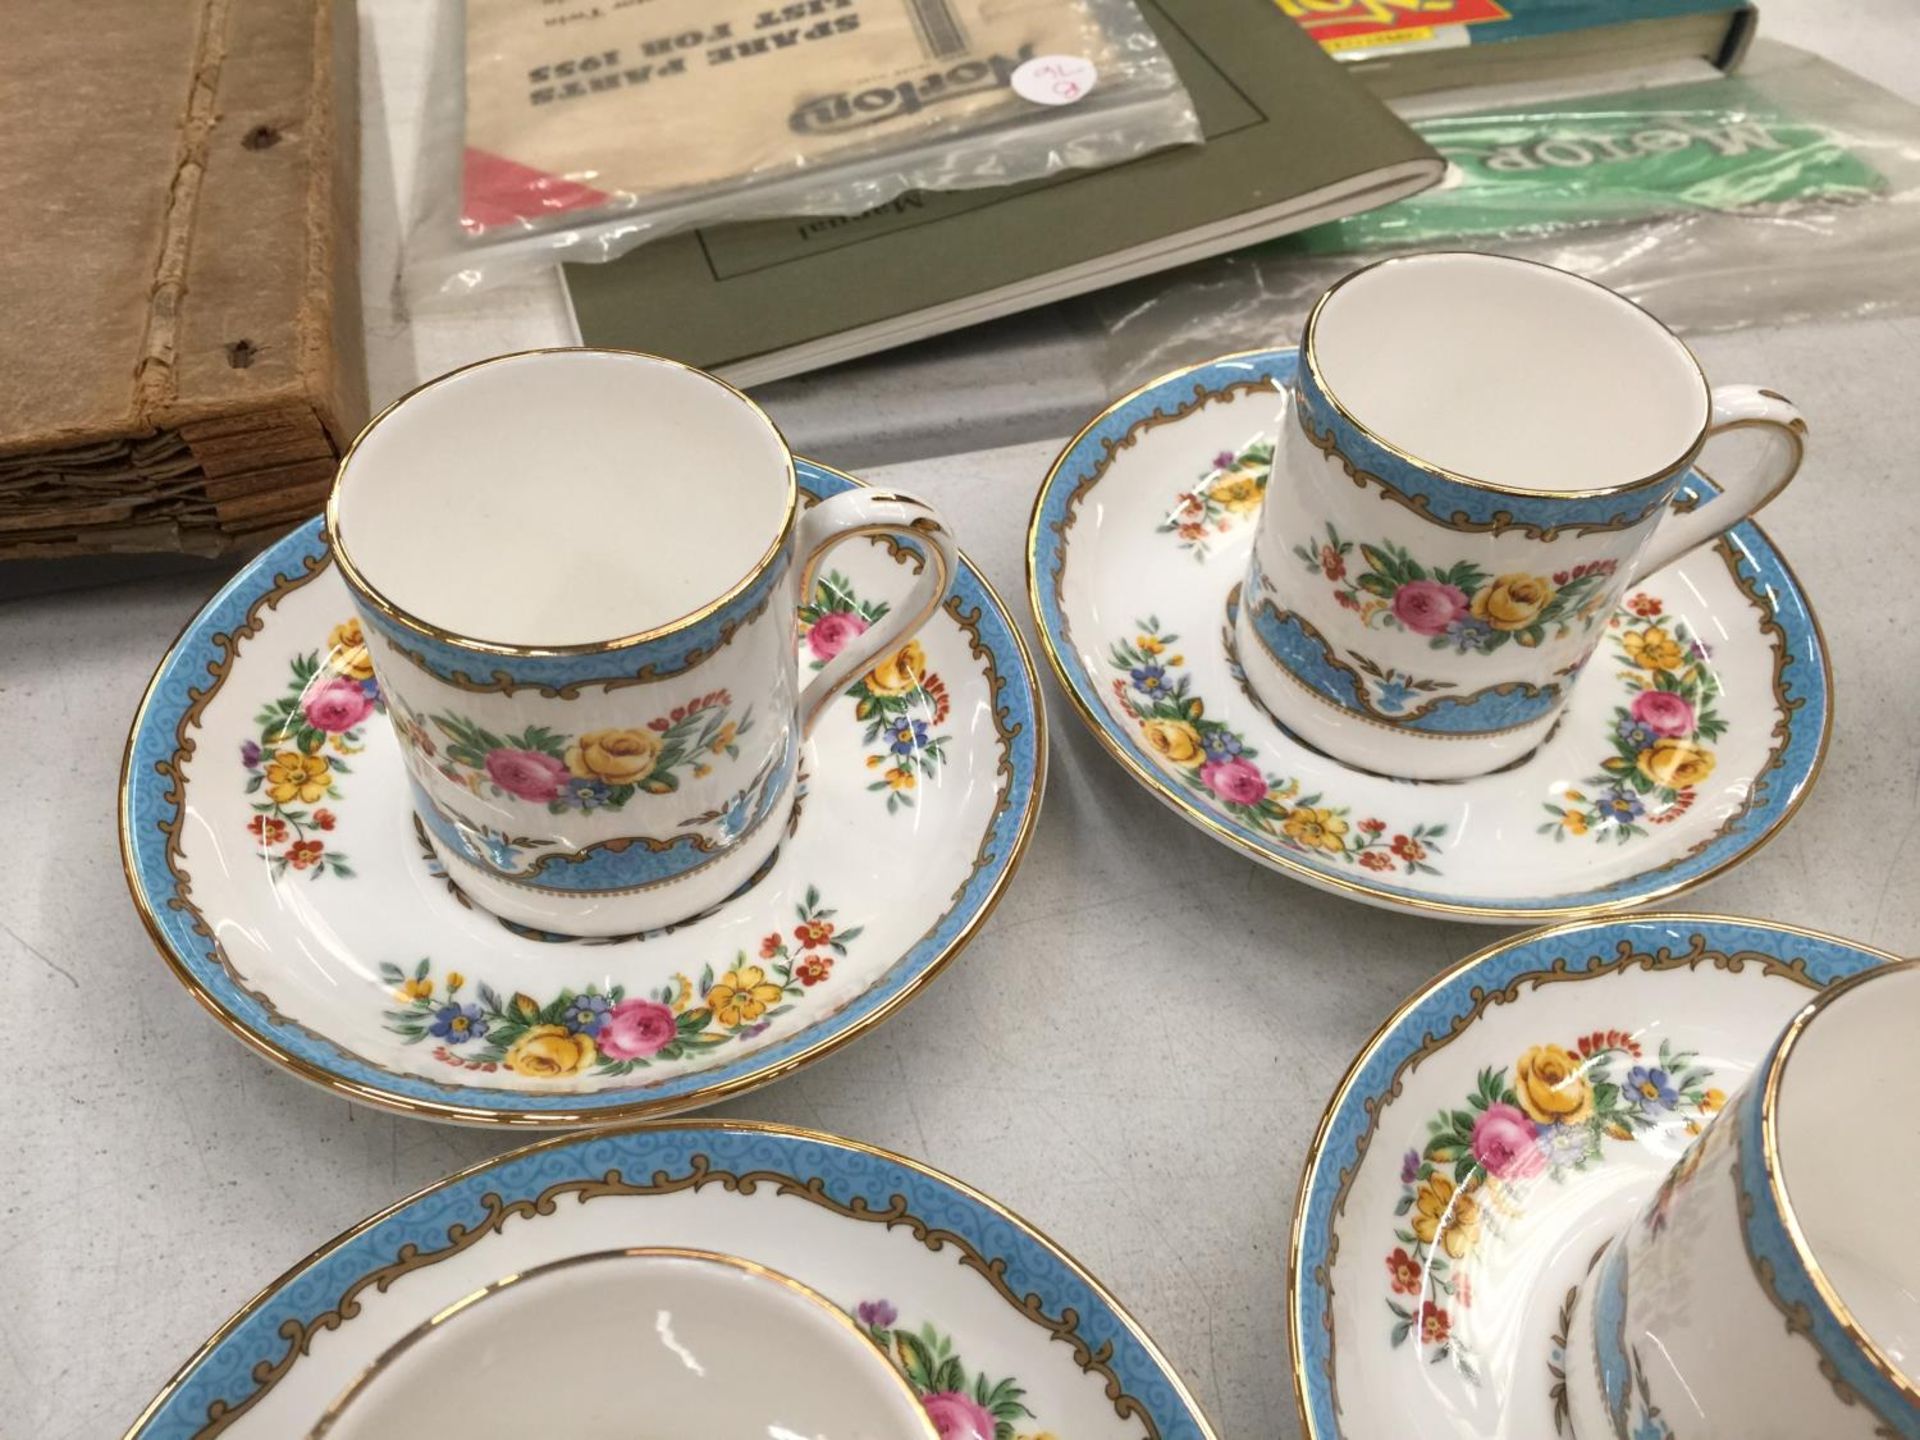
(641, 1342)
(1772, 1285)
(576, 573)
(1477, 456)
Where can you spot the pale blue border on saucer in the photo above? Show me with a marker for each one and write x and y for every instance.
(187, 670)
(1445, 1011)
(847, 1175)
(1803, 676)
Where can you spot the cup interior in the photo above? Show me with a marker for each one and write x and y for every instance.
(1509, 373)
(635, 1342)
(562, 498)
(1847, 1131)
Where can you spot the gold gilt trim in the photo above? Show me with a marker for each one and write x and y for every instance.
(895, 1383)
(1799, 1318)
(1459, 522)
(1052, 646)
(501, 683)
(544, 1118)
(1624, 958)
(1368, 714)
(701, 1173)
(1310, 359)
(367, 591)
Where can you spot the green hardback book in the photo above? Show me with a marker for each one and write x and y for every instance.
(1291, 142)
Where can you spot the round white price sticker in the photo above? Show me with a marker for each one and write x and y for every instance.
(1055, 79)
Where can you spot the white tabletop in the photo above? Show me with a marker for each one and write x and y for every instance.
(158, 1174)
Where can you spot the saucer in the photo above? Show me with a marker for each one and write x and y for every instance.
(998, 1331)
(1525, 1104)
(1139, 542)
(275, 860)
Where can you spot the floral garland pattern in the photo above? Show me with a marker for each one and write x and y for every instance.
(604, 1031)
(601, 769)
(960, 1407)
(900, 700)
(1659, 755)
(1214, 762)
(1550, 1115)
(300, 752)
(1459, 608)
(1228, 493)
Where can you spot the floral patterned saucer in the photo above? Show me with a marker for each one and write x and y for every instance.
(1696, 736)
(272, 852)
(1002, 1335)
(1504, 1124)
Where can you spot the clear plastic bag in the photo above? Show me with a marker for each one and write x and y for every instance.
(577, 129)
(1787, 191)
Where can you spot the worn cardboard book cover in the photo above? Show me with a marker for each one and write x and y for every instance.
(180, 358)
(1291, 141)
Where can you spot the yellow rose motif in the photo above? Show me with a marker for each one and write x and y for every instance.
(1316, 829)
(1453, 1216)
(416, 990)
(1239, 493)
(1676, 764)
(455, 980)
(900, 672)
(1148, 645)
(1513, 602)
(1550, 1086)
(293, 776)
(1653, 649)
(1176, 740)
(546, 1052)
(347, 651)
(1574, 822)
(899, 779)
(1713, 1101)
(619, 757)
(742, 995)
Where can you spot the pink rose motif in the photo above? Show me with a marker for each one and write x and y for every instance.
(1237, 781)
(958, 1417)
(1503, 1141)
(831, 632)
(1663, 712)
(635, 1029)
(336, 706)
(1427, 607)
(526, 774)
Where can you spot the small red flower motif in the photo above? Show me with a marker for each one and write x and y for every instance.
(304, 853)
(1373, 827)
(1645, 606)
(1376, 860)
(1341, 597)
(770, 946)
(814, 932)
(1682, 803)
(1193, 532)
(1188, 505)
(1434, 1324)
(323, 818)
(1408, 848)
(658, 726)
(1331, 565)
(936, 691)
(812, 970)
(1404, 1271)
(679, 714)
(267, 830)
(1561, 577)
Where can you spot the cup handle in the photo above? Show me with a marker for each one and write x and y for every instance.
(1735, 407)
(874, 512)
